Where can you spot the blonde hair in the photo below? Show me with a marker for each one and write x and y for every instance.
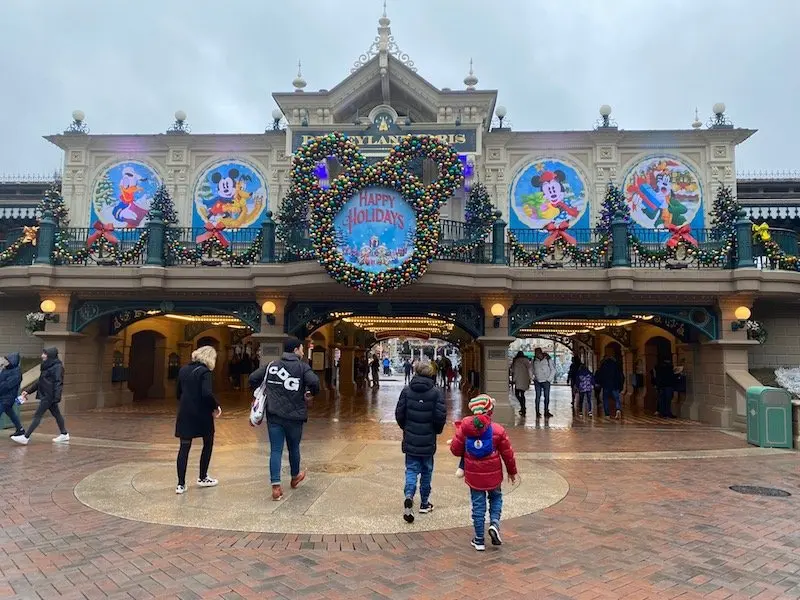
(426, 368)
(206, 355)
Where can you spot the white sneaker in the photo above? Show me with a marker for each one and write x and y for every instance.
(180, 489)
(207, 482)
(20, 439)
(63, 438)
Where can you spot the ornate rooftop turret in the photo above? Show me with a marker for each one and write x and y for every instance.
(299, 83)
(384, 46)
(470, 80)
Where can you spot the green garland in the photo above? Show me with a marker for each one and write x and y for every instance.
(479, 218)
(772, 250)
(10, 254)
(392, 172)
(213, 248)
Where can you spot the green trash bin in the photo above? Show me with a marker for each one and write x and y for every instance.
(769, 417)
(5, 422)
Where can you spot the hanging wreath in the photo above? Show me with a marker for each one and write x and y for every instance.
(479, 218)
(326, 199)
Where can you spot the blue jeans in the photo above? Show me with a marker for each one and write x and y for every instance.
(422, 467)
(288, 432)
(479, 509)
(542, 387)
(665, 401)
(617, 399)
(8, 408)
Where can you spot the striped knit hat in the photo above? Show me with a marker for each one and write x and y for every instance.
(480, 405)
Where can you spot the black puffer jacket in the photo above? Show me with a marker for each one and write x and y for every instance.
(421, 414)
(50, 384)
(288, 380)
(10, 378)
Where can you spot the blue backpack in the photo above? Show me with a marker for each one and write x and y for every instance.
(480, 447)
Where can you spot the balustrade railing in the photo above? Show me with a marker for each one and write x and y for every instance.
(654, 245)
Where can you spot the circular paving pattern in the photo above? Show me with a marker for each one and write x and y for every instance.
(352, 488)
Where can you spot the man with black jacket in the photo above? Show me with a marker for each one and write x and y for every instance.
(421, 414)
(290, 385)
(48, 390)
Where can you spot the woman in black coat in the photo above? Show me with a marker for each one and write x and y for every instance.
(197, 409)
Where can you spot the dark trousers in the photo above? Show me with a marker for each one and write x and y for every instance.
(520, 395)
(43, 407)
(8, 408)
(665, 401)
(205, 457)
(542, 388)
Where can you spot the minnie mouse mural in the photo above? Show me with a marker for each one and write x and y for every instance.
(548, 191)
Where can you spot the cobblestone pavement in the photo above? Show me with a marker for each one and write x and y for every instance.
(661, 524)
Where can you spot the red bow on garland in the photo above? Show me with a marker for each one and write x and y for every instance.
(213, 232)
(680, 234)
(558, 232)
(102, 231)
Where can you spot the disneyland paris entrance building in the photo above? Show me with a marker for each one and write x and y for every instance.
(541, 252)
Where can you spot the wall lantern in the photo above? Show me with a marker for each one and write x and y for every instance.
(498, 310)
(742, 315)
(269, 308)
(48, 307)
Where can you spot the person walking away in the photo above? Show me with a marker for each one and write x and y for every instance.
(290, 385)
(407, 368)
(521, 379)
(197, 409)
(48, 388)
(584, 384)
(387, 366)
(375, 367)
(10, 380)
(485, 447)
(572, 377)
(664, 377)
(610, 380)
(421, 414)
(543, 374)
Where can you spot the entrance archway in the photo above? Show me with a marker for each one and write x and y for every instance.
(146, 365)
(656, 349)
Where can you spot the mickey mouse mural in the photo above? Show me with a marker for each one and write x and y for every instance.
(545, 191)
(231, 193)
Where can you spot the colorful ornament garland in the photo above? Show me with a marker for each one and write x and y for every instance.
(326, 197)
(772, 250)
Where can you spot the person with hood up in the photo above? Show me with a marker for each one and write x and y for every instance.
(10, 380)
(521, 377)
(421, 414)
(48, 388)
(486, 448)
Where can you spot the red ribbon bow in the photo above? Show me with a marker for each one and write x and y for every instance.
(558, 232)
(102, 231)
(680, 234)
(213, 232)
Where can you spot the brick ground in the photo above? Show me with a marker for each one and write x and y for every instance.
(632, 529)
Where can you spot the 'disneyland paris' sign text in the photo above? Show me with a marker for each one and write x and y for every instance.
(373, 142)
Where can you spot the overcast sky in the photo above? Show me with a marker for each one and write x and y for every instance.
(130, 65)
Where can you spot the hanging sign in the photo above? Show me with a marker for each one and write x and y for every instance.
(375, 230)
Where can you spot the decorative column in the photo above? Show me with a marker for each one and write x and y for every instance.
(744, 242)
(499, 241)
(268, 239)
(620, 251)
(272, 336)
(347, 385)
(494, 360)
(46, 239)
(155, 239)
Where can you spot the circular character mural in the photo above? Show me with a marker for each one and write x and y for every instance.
(547, 191)
(123, 193)
(231, 193)
(663, 191)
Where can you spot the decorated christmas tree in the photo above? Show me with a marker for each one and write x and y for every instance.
(162, 202)
(613, 204)
(53, 203)
(724, 212)
(104, 193)
(479, 213)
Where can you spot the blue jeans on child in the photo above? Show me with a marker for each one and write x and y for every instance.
(283, 431)
(608, 394)
(419, 467)
(479, 509)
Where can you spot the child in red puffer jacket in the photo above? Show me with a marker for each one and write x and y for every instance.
(485, 447)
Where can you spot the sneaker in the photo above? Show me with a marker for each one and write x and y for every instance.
(277, 492)
(479, 545)
(17, 433)
(207, 482)
(62, 439)
(20, 439)
(590, 414)
(460, 473)
(180, 489)
(618, 415)
(408, 515)
(494, 533)
(425, 508)
(298, 480)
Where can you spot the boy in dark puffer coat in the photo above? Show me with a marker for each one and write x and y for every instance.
(485, 447)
